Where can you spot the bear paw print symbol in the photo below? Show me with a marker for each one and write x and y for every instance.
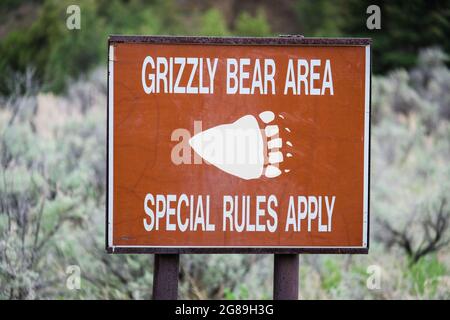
(249, 148)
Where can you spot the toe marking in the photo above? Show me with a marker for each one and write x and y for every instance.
(272, 172)
(271, 130)
(275, 157)
(274, 143)
(267, 116)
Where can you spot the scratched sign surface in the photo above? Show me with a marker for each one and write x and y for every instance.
(238, 145)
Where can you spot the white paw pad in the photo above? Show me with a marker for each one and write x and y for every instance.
(244, 148)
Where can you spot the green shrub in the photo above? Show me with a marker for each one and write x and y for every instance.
(425, 274)
(213, 24)
(331, 275)
(252, 26)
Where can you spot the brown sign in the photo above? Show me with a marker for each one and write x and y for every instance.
(238, 145)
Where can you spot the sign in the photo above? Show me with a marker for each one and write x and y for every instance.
(238, 145)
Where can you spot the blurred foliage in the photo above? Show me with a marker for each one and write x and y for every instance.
(425, 274)
(320, 18)
(406, 27)
(213, 24)
(332, 276)
(411, 112)
(247, 25)
(52, 152)
(59, 55)
(52, 198)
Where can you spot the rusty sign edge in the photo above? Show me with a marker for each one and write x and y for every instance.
(273, 41)
(282, 40)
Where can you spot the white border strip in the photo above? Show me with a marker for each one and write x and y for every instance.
(366, 169)
(110, 145)
(366, 149)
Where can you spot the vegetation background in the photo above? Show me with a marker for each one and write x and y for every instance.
(52, 149)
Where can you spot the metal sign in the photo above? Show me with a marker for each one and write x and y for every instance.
(238, 145)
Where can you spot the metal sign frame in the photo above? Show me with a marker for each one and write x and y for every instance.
(244, 41)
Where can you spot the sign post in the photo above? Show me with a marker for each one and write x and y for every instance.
(237, 145)
(285, 277)
(165, 276)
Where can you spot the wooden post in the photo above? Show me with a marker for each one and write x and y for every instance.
(285, 277)
(165, 276)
